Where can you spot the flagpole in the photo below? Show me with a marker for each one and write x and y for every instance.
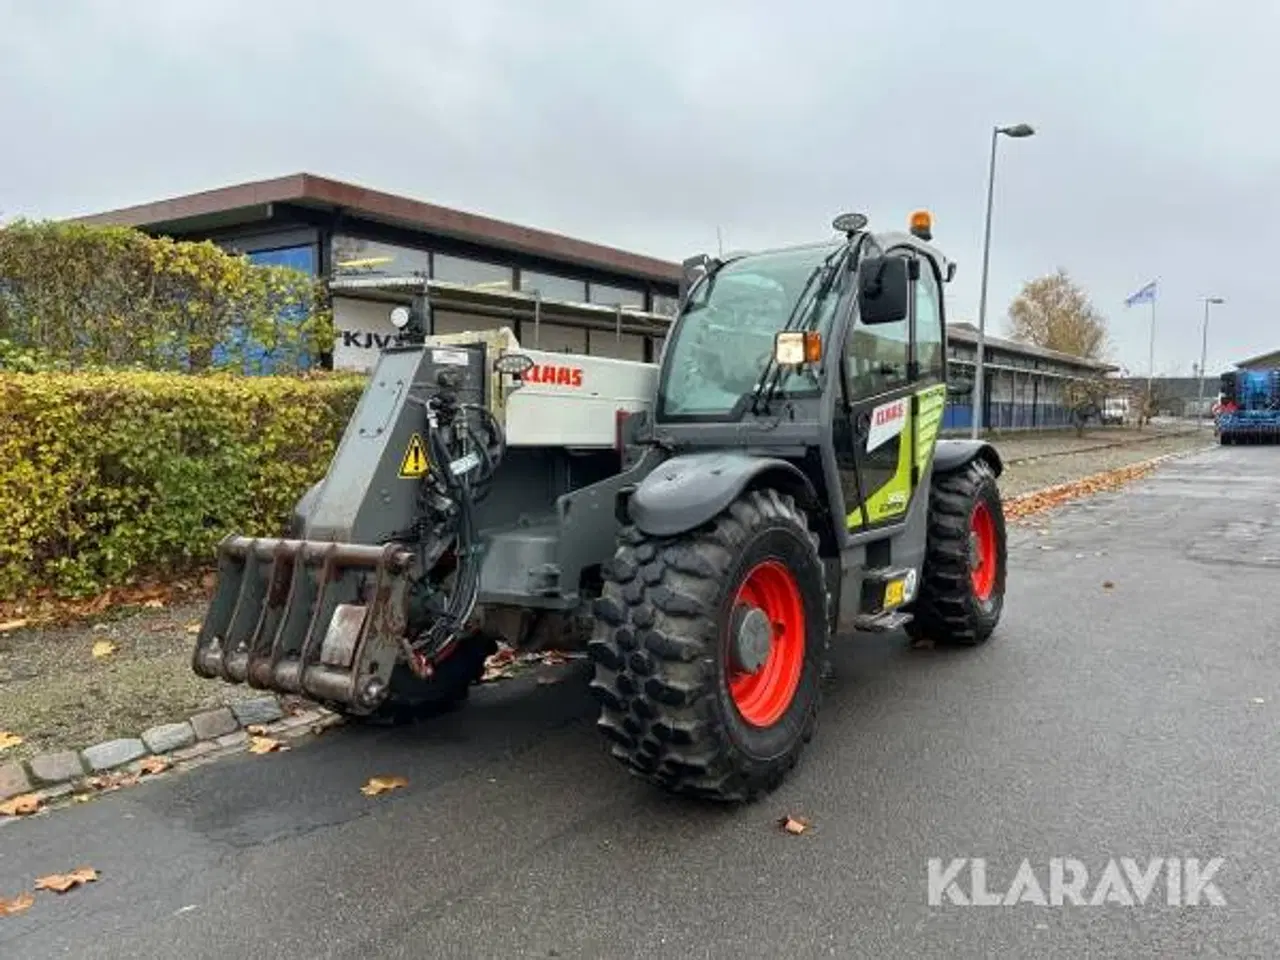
(1151, 350)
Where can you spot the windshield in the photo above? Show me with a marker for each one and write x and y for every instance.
(725, 335)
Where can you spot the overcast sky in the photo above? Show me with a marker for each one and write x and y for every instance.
(646, 124)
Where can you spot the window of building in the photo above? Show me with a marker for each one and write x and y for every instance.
(553, 337)
(616, 296)
(664, 305)
(301, 258)
(552, 287)
(359, 257)
(476, 274)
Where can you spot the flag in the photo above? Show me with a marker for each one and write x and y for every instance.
(1146, 295)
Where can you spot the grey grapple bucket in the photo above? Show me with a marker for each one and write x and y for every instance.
(320, 619)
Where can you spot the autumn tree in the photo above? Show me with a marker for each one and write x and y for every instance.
(1054, 313)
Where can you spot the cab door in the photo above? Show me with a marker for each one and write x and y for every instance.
(887, 370)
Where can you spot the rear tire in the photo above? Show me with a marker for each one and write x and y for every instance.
(676, 706)
(963, 581)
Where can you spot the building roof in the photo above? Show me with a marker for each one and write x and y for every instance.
(250, 202)
(967, 333)
(1269, 359)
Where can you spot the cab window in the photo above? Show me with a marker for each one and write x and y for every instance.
(930, 334)
(875, 357)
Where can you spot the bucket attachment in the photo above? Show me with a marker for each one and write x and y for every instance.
(322, 620)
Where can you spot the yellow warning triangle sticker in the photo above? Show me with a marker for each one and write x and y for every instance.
(414, 463)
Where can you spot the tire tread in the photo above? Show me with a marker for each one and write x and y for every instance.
(661, 720)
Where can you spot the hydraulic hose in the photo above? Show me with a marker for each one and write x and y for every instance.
(463, 491)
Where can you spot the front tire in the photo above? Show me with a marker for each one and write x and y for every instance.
(963, 581)
(709, 649)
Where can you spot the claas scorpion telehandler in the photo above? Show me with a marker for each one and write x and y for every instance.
(704, 526)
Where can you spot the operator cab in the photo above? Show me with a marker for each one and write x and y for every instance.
(756, 331)
(835, 348)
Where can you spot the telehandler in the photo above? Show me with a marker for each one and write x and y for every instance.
(704, 526)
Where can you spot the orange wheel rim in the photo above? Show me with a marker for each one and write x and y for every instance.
(982, 552)
(764, 695)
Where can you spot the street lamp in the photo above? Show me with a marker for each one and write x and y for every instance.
(1016, 131)
(1204, 349)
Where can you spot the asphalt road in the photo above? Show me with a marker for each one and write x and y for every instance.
(1133, 721)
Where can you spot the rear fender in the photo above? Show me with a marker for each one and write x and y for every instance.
(951, 455)
(687, 491)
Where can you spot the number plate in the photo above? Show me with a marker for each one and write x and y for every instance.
(893, 592)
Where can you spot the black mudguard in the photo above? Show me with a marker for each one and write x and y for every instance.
(689, 490)
(951, 455)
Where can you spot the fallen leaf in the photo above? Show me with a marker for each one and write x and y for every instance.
(256, 730)
(62, 882)
(377, 785)
(21, 902)
(193, 627)
(113, 781)
(103, 648)
(44, 607)
(265, 745)
(154, 604)
(794, 825)
(1107, 585)
(8, 740)
(22, 805)
(13, 625)
(154, 765)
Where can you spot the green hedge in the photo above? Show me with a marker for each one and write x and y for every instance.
(108, 477)
(76, 296)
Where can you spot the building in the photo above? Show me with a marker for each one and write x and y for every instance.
(1025, 385)
(1174, 396)
(556, 292)
(1264, 361)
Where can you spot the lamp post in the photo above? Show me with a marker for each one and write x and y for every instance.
(1204, 349)
(979, 404)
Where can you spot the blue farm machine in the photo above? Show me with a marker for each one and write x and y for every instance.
(1249, 407)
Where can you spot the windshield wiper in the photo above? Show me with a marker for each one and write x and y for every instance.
(764, 390)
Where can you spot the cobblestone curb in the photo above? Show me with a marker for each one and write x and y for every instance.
(206, 736)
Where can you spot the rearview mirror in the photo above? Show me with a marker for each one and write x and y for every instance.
(882, 290)
(693, 269)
